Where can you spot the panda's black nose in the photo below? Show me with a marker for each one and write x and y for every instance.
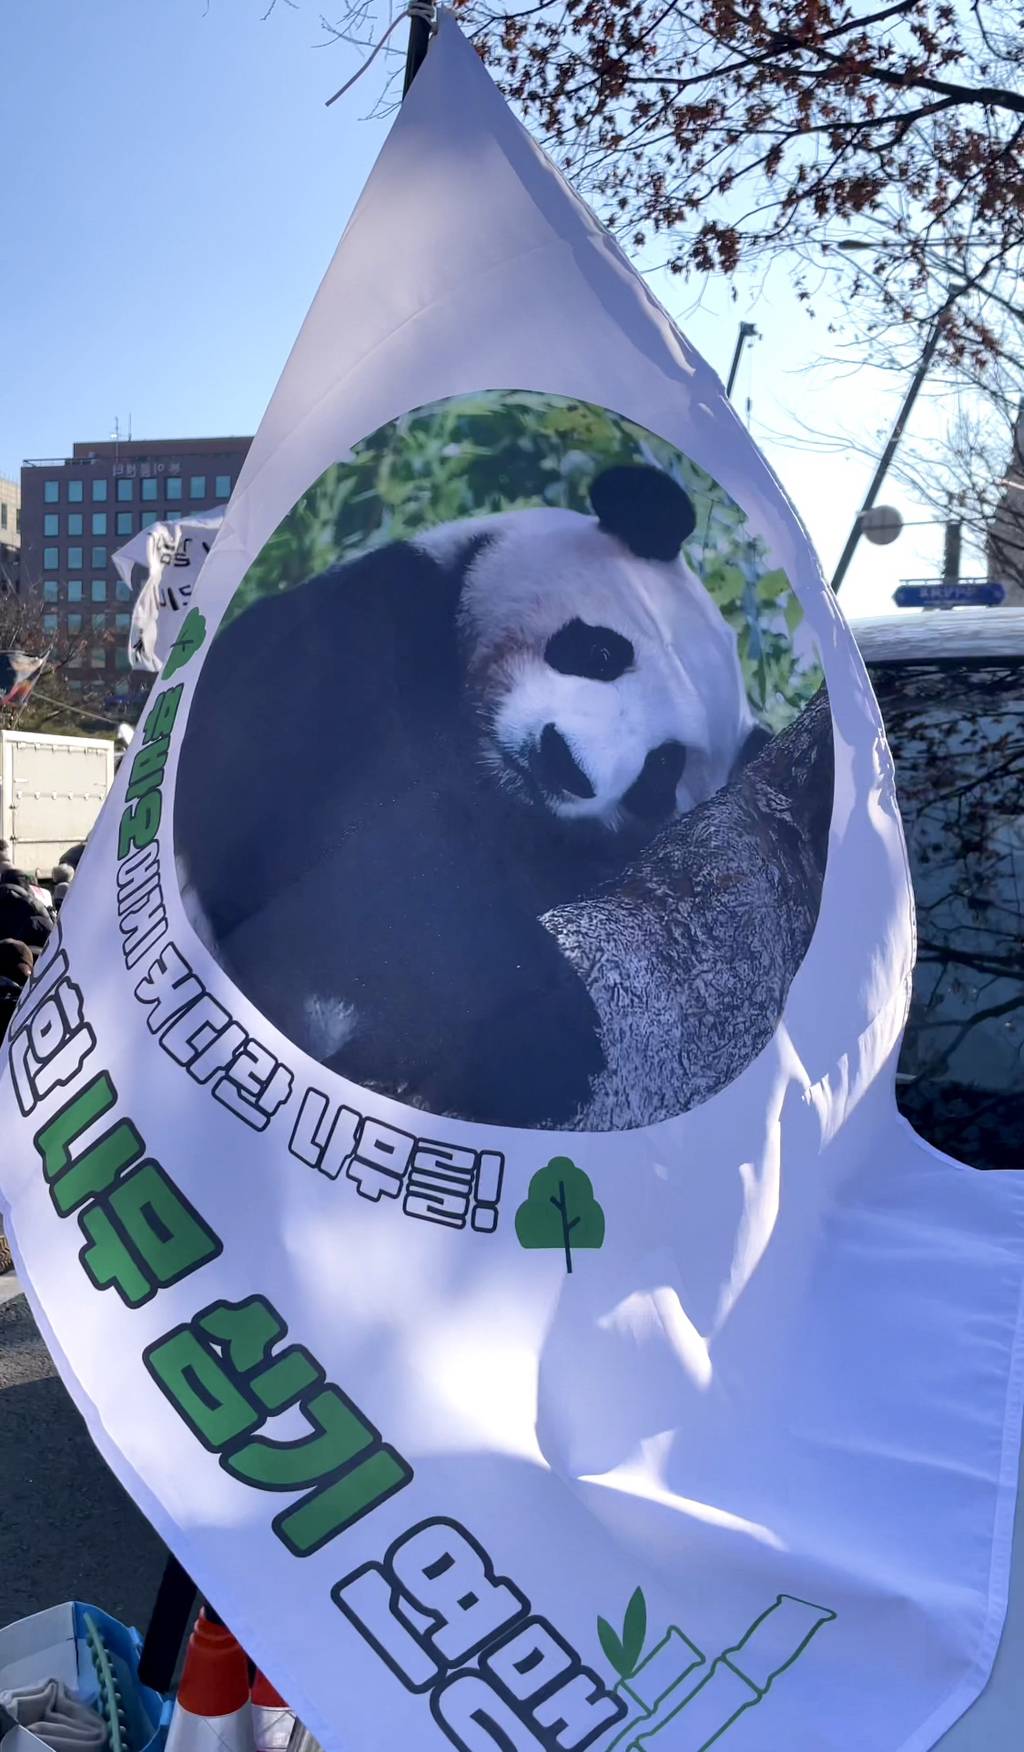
(557, 767)
(653, 794)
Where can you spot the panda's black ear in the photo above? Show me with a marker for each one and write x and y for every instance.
(645, 508)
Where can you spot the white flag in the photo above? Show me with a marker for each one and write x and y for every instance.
(451, 1143)
(174, 555)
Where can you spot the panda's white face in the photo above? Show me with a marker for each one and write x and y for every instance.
(609, 686)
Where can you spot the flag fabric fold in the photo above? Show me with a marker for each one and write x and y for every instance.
(18, 675)
(173, 555)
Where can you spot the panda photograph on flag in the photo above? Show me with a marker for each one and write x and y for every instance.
(536, 829)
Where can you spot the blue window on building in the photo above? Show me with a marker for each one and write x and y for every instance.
(51, 492)
(125, 522)
(175, 516)
(120, 660)
(197, 487)
(74, 589)
(125, 490)
(74, 623)
(51, 590)
(99, 556)
(76, 523)
(74, 492)
(97, 657)
(99, 623)
(99, 523)
(222, 487)
(49, 623)
(51, 559)
(51, 523)
(122, 591)
(172, 487)
(148, 517)
(122, 622)
(99, 590)
(149, 488)
(74, 559)
(99, 492)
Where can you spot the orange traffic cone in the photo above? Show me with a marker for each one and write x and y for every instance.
(272, 1720)
(212, 1710)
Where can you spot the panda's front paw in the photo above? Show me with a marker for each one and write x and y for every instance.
(534, 1064)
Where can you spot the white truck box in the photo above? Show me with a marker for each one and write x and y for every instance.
(51, 789)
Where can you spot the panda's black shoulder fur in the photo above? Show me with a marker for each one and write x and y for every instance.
(335, 826)
(337, 661)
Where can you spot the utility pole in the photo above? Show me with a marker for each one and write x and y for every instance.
(934, 336)
(747, 333)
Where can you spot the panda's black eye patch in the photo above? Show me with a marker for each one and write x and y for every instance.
(596, 653)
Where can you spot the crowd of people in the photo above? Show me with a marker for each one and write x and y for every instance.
(28, 912)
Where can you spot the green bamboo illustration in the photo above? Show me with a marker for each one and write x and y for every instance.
(686, 1703)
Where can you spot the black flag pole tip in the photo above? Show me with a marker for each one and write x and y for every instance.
(422, 16)
(422, 25)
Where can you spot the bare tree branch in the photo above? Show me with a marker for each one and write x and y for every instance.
(905, 118)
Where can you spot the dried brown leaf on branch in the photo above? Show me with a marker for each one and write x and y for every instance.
(737, 131)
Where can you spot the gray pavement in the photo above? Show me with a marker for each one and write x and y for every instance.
(67, 1529)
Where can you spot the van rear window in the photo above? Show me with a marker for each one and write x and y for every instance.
(957, 736)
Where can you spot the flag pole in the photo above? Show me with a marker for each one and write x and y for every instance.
(177, 1592)
(420, 26)
(422, 16)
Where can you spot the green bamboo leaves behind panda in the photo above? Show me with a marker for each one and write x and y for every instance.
(506, 451)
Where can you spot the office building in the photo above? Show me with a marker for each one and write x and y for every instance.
(10, 513)
(78, 510)
(10, 535)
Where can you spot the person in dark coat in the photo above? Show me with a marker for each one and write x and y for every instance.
(15, 971)
(22, 916)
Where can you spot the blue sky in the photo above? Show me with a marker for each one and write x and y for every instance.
(173, 191)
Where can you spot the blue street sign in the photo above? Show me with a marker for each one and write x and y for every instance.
(950, 593)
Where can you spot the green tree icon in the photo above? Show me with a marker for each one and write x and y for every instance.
(191, 636)
(560, 1210)
(624, 1651)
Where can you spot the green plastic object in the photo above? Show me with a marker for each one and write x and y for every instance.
(110, 1701)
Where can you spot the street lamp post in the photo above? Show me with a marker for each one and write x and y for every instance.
(747, 333)
(895, 435)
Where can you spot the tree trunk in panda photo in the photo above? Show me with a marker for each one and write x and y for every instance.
(689, 956)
